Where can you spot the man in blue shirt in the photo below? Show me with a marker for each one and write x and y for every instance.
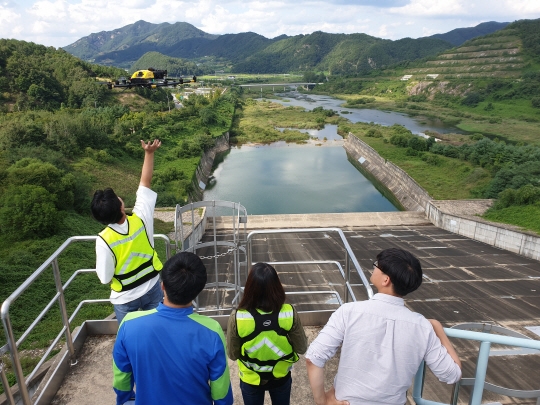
(171, 354)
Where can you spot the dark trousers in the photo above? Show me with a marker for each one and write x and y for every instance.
(254, 394)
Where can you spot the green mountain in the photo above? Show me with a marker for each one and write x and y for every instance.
(253, 53)
(132, 41)
(505, 54)
(338, 53)
(460, 35)
(231, 47)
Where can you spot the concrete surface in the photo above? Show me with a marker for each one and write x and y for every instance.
(464, 281)
(461, 217)
(407, 191)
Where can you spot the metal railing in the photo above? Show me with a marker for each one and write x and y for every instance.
(13, 343)
(349, 257)
(238, 220)
(478, 383)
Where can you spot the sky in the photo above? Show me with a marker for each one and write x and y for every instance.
(61, 22)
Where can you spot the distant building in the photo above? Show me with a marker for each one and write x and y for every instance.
(406, 77)
(231, 77)
(432, 76)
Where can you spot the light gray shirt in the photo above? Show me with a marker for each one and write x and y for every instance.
(383, 344)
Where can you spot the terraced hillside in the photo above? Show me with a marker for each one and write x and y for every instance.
(499, 55)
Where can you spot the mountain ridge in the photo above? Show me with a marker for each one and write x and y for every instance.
(252, 52)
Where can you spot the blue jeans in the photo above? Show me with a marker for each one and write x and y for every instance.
(150, 300)
(254, 394)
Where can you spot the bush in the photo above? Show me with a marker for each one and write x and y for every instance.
(399, 140)
(477, 137)
(418, 98)
(431, 159)
(374, 133)
(472, 99)
(417, 143)
(535, 102)
(27, 212)
(525, 195)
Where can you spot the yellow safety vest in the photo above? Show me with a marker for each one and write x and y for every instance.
(136, 259)
(266, 353)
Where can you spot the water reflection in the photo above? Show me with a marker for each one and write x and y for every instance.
(290, 179)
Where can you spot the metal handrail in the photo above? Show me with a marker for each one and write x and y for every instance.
(238, 217)
(479, 385)
(13, 344)
(349, 255)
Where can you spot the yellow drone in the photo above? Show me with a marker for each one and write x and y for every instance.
(149, 78)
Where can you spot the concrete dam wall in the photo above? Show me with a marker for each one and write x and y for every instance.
(407, 191)
(204, 170)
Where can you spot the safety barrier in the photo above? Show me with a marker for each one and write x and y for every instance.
(349, 257)
(13, 343)
(479, 383)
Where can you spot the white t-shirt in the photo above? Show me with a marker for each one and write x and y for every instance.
(144, 208)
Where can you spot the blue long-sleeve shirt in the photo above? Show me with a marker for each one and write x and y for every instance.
(173, 356)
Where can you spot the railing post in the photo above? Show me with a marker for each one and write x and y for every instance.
(16, 362)
(418, 386)
(480, 373)
(249, 255)
(63, 310)
(5, 384)
(347, 275)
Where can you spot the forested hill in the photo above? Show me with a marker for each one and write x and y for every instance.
(352, 53)
(509, 53)
(460, 35)
(338, 53)
(36, 77)
(141, 35)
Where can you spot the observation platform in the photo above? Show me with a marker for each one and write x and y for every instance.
(464, 282)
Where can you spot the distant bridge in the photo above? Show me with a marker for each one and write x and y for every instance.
(274, 85)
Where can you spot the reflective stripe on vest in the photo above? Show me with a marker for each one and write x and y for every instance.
(267, 355)
(136, 261)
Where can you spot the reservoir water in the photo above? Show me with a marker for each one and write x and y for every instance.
(286, 178)
(291, 179)
(386, 118)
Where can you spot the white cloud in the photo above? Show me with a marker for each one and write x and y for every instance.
(61, 22)
(432, 8)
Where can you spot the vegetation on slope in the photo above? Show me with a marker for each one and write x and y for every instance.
(260, 122)
(36, 77)
(337, 53)
(54, 152)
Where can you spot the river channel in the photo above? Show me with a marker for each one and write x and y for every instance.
(283, 178)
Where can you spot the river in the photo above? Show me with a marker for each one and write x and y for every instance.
(286, 178)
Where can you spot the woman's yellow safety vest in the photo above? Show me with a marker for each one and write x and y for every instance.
(266, 353)
(136, 259)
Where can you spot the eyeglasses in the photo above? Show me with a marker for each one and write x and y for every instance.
(376, 264)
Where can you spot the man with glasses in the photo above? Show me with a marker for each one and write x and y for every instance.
(382, 341)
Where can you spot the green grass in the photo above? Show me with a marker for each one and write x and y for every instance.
(258, 122)
(524, 216)
(450, 179)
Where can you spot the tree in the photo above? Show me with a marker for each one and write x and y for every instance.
(27, 212)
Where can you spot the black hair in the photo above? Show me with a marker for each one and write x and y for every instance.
(263, 289)
(106, 207)
(184, 277)
(403, 268)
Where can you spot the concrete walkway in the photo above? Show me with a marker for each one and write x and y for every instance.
(344, 220)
